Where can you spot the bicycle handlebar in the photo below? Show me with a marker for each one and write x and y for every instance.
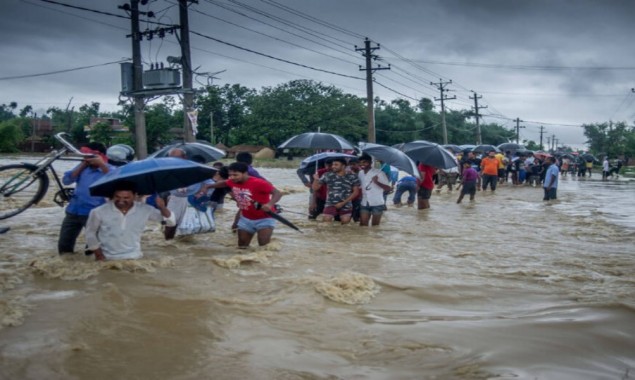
(60, 137)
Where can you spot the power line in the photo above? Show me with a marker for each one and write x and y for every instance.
(85, 9)
(345, 51)
(100, 12)
(64, 70)
(395, 91)
(273, 37)
(314, 19)
(75, 15)
(272, 57)
(526, 67)
(268, 67)
(289, 23)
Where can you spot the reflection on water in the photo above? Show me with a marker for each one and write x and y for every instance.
(505, 287)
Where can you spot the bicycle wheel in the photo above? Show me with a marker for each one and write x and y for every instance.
(20, 189)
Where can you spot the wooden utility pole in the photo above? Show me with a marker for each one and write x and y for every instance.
(477, 116)
(518, 126)
(188, 95)
(367, 52)
(441, 86)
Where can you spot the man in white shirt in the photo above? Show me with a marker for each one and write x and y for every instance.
(606, 167)
(113, 230)
(373, 183)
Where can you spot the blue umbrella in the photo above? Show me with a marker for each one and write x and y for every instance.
(391, 156)
(153, 175)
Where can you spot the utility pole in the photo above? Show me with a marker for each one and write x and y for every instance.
(556, 145)
(553, 141)
(477, 116)
(137, 77)
(442, 89)
(518, 126)
(549, 143)
(542, 131)
(367, 52)
(188, 95)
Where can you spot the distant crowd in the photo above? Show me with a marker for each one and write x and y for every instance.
(342, 189)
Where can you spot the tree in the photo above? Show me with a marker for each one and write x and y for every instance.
(397, 122)
(103, 133)
(11, 136)
(228, 105)
(531, 145)
(300, 106)
(611, 139)
(160, 119)
(6, 111)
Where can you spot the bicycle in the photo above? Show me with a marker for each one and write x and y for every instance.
(24, 185)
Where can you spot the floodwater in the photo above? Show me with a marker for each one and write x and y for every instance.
(507, 287)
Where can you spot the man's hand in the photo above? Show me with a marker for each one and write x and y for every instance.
(94, 161)
(160, 203)
(99, 255)
(339, 205)
(266, 207)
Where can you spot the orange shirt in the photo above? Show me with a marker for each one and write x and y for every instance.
(489, 166)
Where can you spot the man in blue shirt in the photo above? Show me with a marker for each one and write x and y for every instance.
(551, 180)
(80, 205)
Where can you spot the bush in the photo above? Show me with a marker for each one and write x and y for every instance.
(11, 136)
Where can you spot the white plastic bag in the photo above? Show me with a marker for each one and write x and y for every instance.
(196, 222)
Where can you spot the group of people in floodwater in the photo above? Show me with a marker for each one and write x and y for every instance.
(344, 189)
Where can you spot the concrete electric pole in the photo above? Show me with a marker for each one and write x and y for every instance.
(518, 126)
(367, 52)
(542, 132)
(441, 86)
(477, 116)
(188, 95)
(137, 78)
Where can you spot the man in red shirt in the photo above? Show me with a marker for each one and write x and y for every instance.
(256, 199)
(426, 185)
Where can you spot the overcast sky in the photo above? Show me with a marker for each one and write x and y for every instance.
(555, 63)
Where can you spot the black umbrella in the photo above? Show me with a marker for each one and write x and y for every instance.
(193, 150)
(391, 156)
(317, 140)
(485, 148)
(588, 157)
(311, 164)
(512, 147)
(278, 217)
(453, 148)
(430, 154)
(153, 175)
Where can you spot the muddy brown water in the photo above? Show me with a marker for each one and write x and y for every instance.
(507, 287)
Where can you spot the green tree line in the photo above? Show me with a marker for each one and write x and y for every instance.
(269, 116)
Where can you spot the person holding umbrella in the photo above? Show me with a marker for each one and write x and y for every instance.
(113, 230)
(425, 186)
(342, 188)
(256, 199)
(373, 183)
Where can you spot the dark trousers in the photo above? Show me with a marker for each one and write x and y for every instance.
(71, 228)
(490, 180)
